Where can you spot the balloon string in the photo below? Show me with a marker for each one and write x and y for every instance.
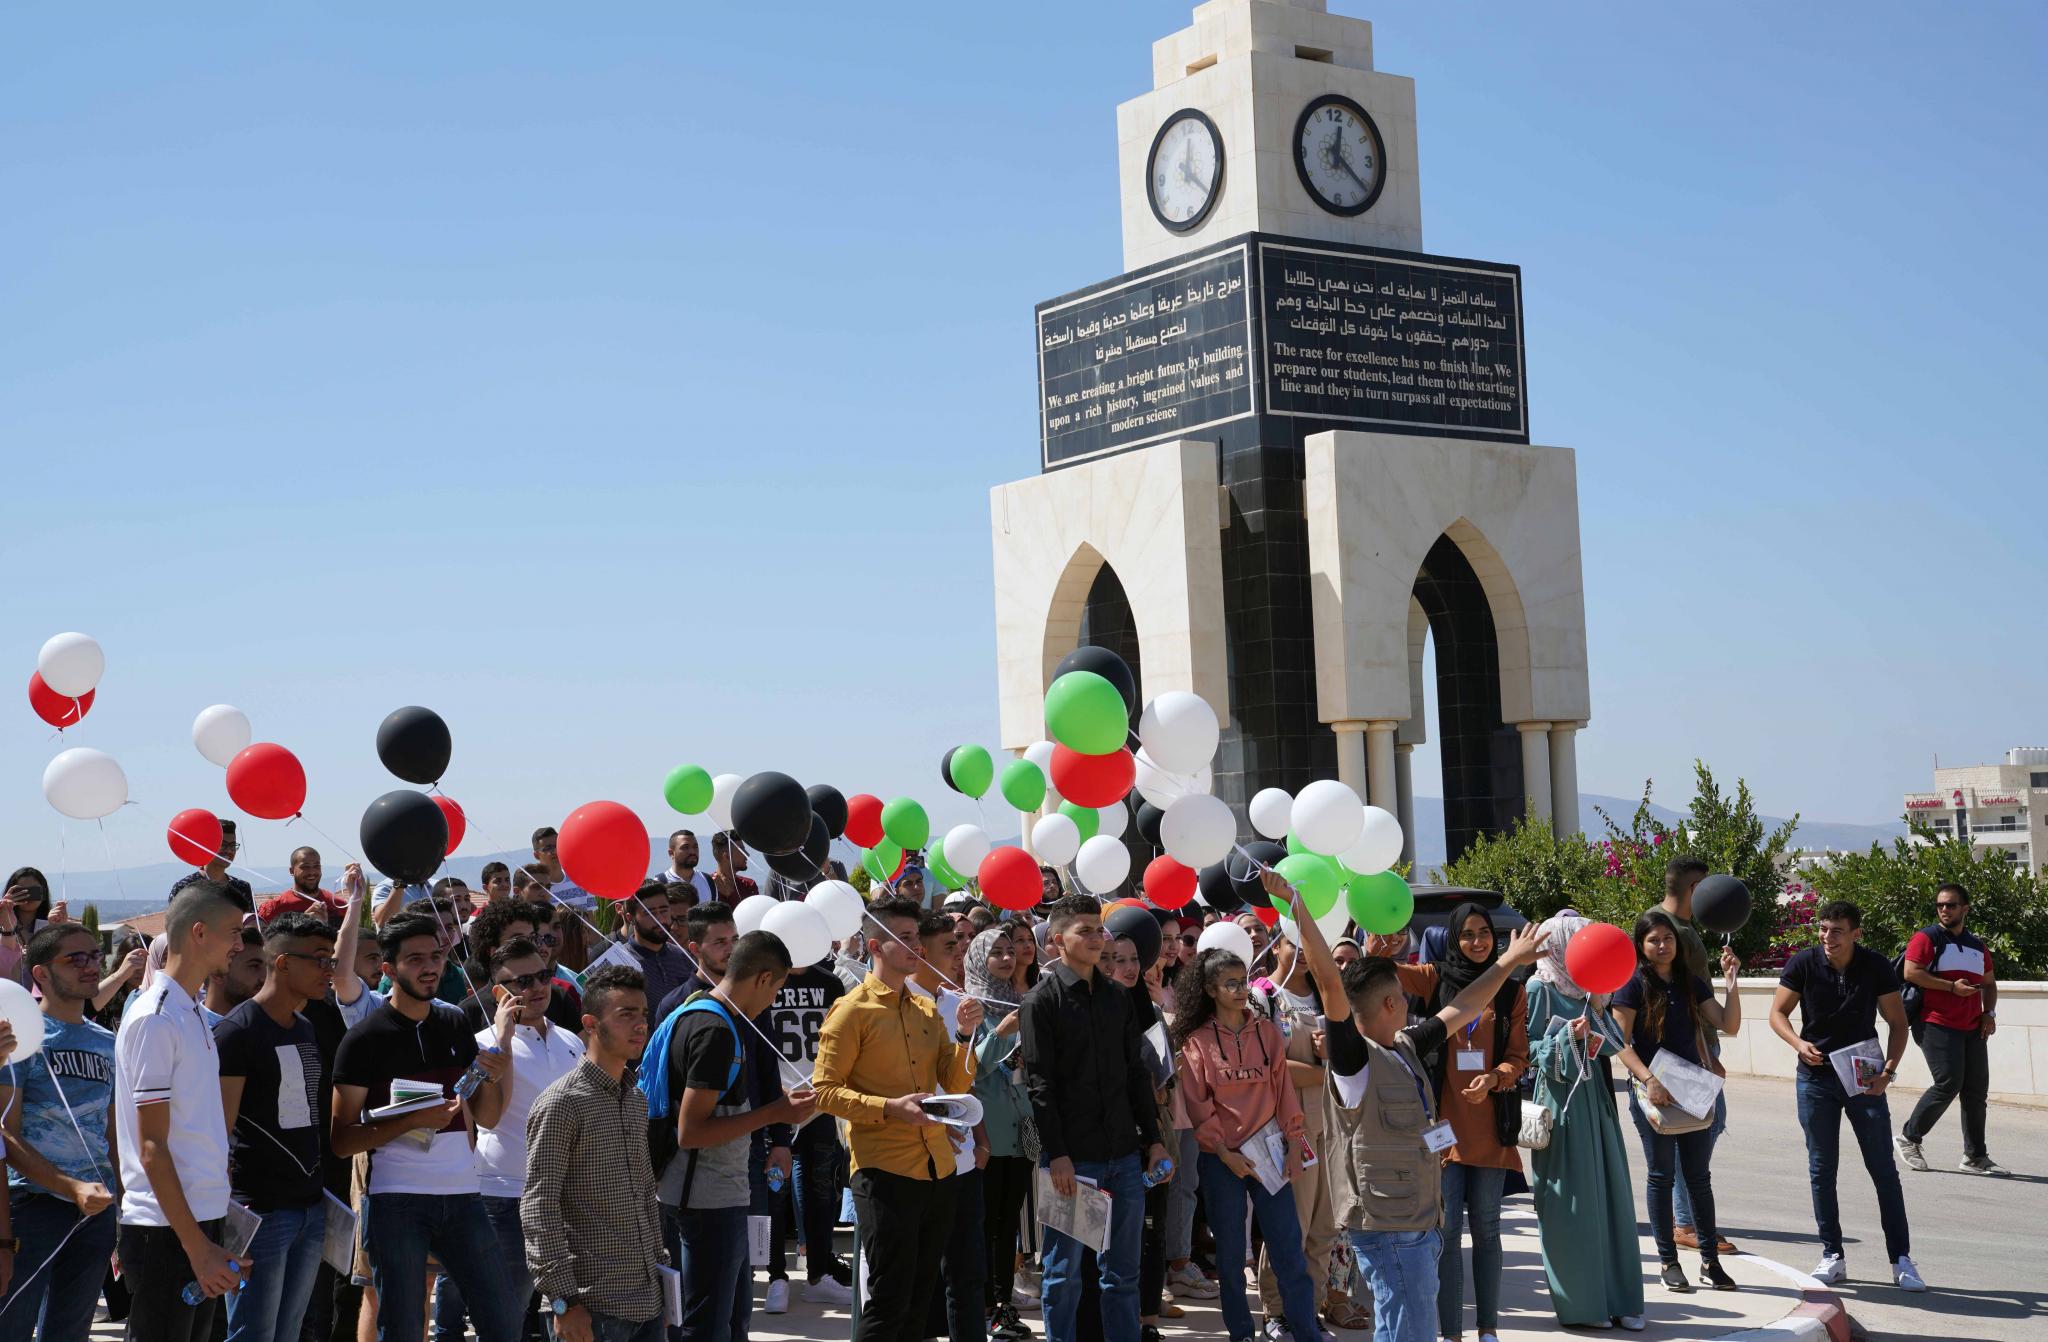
(330, 839)
(20, 1288)
(114, 866)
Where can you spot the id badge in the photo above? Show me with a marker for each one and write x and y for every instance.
(1439, 1137)
(1471, 1059)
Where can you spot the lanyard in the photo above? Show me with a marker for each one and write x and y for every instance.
(1420, 1093)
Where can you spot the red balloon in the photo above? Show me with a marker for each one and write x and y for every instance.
(267, 781)
(59, 710)
(1009, 877)
(1167, 883)
(458, 823)
(1093, 780)
(1267, 914)
(1600, 958)
(604, 848)
(195, 836)
(863, 820)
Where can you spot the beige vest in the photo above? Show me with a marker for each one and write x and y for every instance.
(1381, 1174)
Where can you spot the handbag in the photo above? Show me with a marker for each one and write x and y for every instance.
(1536, 1126)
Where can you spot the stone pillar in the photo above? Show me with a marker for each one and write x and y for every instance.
(1404, 790)
(1379, 765)
(1535, 768)
(1564, 778)
(1351, 756)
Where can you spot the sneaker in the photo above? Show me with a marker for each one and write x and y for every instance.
(1022, 1299)
(1169, 1310)
(1985, 1166)
(1674, 1279)
(778, 1297)
(1833, 1270)
(1716, 1276)
(1005, 1324)
(1909, 1153)
(1187, 1283)
(1633, 1322)
(1906, 1276)
(825, 1291)
(1148, 1333)
(1276, 1330)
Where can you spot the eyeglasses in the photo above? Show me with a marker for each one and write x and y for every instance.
(84, 959)
(546, 939)
(521, 982)
(1232, 985)
(325, 962)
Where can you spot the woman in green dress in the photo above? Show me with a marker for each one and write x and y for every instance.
(1585, 1207)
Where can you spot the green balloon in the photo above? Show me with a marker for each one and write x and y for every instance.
(1084, 817)
(1314, 876)
(1085, 712)
(938, 870)
(1380, 903)
(905, 824)
(1023, 785)
(1295, 845)
(880, 861)
(688, 789)
(972, 770)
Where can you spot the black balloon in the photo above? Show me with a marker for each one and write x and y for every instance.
(413, 743)
(1149, 817)
(1217, 891)
(946, 768)
(404, 835)
(1245, 869)
(1106, 664)
(1140, 926)
(807, 864)
(771, 812)
(829, 806)
(1720, 904)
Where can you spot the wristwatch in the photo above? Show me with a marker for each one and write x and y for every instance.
(558, 1306)
(1891, 1073)
(963, 1038)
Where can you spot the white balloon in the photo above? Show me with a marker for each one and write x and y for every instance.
(1198, 830)
(19, 1008)
(1327, 817)
(1040, 754)
(221, 733)
(85, 784)
(1055, 839)
(720, 810)
(1113, 819)
(964, 846)
(749, 912)
(802, 929)
(1271, 811)
(1160, 786)
(1102, 864)
(840, 905)
(1179, 731)
(71, 664)
(1226, 936)
(1378, 846)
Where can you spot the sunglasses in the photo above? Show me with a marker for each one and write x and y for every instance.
(1949, 904)
(1190, 941)
(521, 982)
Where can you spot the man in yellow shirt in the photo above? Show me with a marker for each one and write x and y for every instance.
(881, 1052)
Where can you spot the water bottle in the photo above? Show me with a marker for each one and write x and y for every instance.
(1159, 1174)
(465, 1086)
(776, 1181)
(195, 1297)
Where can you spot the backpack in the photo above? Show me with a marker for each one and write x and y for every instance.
(1911, 995)
(662, 1147)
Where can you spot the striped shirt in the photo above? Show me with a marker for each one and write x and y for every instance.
(593, 1230)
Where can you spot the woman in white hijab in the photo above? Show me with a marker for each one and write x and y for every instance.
(1585, 1207)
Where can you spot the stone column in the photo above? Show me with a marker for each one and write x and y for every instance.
(1535, 767)
(1379, 765)
(1404, 790)
(1351, 755)
(1564, 778)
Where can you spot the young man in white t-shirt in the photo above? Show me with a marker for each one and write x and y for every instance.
(172, 1130)
(424, 1195)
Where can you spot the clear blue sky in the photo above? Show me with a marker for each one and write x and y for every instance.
(626, 383)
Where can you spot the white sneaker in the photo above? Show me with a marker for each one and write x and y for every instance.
(778, 1297)
(1021, 1299)
(1984, 1166)
(825, 1291)
(1187, 1283)
(1907, 1276)
(1833, 1270)
(1909, 1153)
(1633, 1322)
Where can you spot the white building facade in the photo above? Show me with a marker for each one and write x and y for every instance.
(2002, 808)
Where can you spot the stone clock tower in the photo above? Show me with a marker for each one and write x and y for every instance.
(1287, 448)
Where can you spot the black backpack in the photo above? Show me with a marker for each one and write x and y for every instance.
(1911, 995)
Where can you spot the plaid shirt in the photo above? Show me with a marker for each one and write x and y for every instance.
(593, 1230)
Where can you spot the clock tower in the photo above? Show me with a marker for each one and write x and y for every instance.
(1287, 451)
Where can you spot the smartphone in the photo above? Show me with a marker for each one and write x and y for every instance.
(501, 993)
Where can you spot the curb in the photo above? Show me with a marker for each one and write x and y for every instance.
(1820, 1315)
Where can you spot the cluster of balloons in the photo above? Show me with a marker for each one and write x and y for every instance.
(407, 834)
(67, 675)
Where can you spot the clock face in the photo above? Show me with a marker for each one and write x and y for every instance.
(1339, 154)
(1185, 171)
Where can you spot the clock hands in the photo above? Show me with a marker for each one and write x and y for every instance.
(1187, 170)
(1333, 154)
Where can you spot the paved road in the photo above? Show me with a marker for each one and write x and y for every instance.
(1980, 1242)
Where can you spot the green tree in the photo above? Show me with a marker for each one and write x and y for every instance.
(1530, 867)
(1895, 890)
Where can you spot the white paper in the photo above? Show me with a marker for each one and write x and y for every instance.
(1159, 1055)
(238, 1229)
(671, 1295)
(1439, 1138)
(618, 953)
(757, 1239)
(1693, 1088)
(963, 1150)
(1084, 1216)
(1844, 1061)
(1266, 1149)
(961, 1111)
(338, 1249)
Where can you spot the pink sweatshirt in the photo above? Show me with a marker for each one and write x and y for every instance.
(1234, 1083)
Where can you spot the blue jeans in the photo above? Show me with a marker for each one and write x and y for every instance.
(1471, 1192)
(605, 1328)
(1224, 1195)
(1681, 1197)
(401, 1229)
(1124, 1180)
(284, 1258)
(1821, 1106)
(449, 1307)
(65, 1293)
(1401, 1265)
(718, 1280)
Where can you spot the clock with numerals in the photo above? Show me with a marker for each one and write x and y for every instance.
(1339, 154)
(1184, 173)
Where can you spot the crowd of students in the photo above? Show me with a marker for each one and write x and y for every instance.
(407, 1111)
